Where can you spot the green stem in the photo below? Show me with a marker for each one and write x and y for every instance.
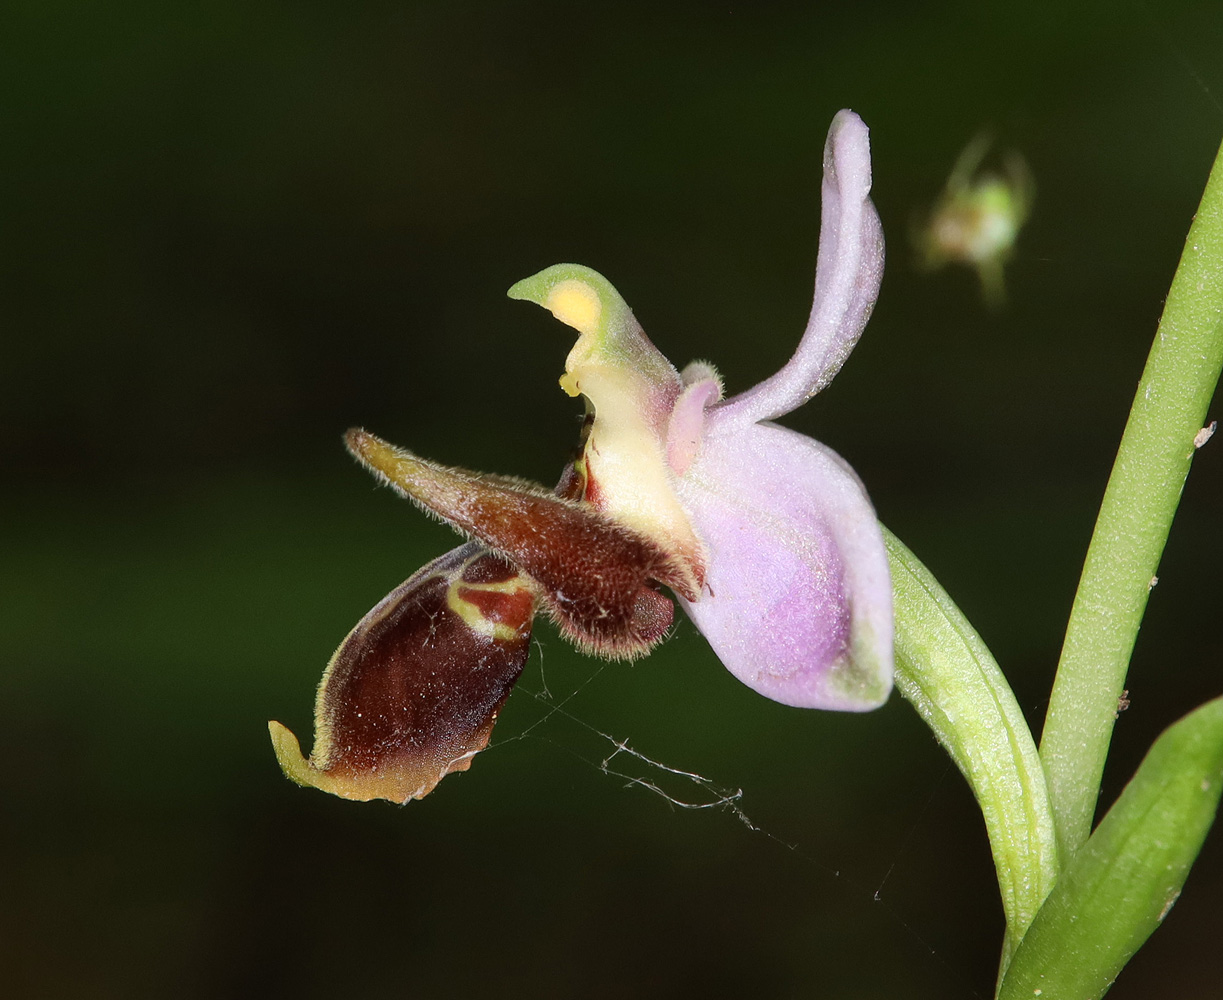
(947, 673)
(1139, 503)
(1121, 884)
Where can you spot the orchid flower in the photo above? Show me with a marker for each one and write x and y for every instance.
(766, 536)
(977, 218)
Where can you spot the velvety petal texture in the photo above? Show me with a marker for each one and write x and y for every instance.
(798, 599)
(596, 577)
(413, 691)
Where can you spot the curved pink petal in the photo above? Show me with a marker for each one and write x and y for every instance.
(847, 275)
(798, 598)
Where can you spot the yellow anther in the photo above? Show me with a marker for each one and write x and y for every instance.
(575, 303)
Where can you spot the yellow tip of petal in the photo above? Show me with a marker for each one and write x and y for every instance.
(396, 782)
(289, 756)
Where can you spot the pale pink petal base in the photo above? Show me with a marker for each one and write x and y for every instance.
(798, 603)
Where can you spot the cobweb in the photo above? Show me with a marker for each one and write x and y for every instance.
(683, 789)
(694, 791)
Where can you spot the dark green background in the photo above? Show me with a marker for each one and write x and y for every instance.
(230, 230)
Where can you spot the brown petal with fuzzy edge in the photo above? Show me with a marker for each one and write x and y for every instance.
(413, 691)
(597, 579)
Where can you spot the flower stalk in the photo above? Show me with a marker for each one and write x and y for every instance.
(1160, 439)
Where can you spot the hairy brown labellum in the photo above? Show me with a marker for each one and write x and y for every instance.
(413, 691)
(597, 578)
